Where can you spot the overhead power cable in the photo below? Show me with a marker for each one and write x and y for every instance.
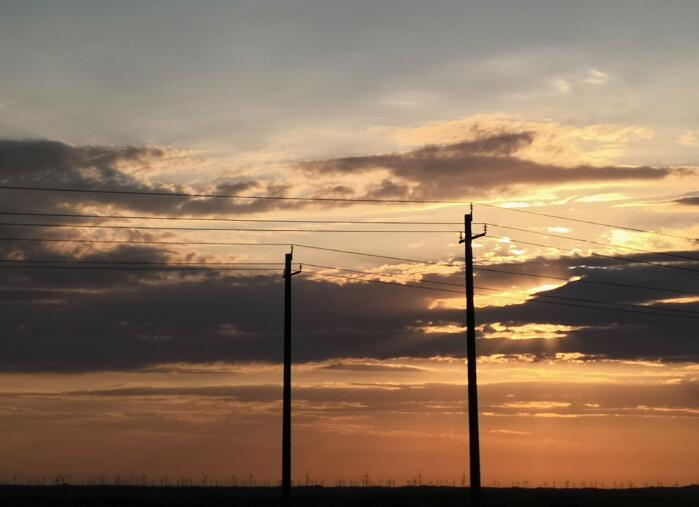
(135, 268)
(227, 219)
(422, 280)
(590, 222)
(596, 254)
(128, 262)
(141, 242)
(379, 256)
(584, 280)
(327, 199)
(563, 298)
(337, 250)
(189, 229)
(646, 311)
(221, 229)
(558, 303)
(478, 268)
(407, 285)
(228, 196)
(601, 243)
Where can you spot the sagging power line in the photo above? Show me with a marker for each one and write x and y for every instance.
(330, 199)
(499, 296)
(134, 268)
(593, 242)
(494, 270)
(563, 298)
(596, 254)
(336, 222)
(224, 219)
(223, 229)
(351, 252)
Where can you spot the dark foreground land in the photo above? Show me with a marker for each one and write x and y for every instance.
(93, 496)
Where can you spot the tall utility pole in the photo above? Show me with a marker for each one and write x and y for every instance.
(286, 407)
(473, 439)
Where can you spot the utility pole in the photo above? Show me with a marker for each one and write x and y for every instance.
(473, 439)
(286, 405)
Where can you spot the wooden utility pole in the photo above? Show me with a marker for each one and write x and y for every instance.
(286, 406)
(473, 439)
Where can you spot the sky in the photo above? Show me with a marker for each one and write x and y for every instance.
(538, 112)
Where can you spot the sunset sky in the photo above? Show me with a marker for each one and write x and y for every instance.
(580, 110)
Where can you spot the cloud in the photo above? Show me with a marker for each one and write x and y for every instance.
(367, 366)
(595, 77)
(689, 138)
(509, 397)
(562, 86)
(48, 163)
(478, 166)
(58, 321)
(80, 320)
(688, 201)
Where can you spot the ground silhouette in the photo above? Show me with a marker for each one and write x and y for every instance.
(428, 496)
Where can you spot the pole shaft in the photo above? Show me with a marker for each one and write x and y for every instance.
(286, 416)
(473, 440)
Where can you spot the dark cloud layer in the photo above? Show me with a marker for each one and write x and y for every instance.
(480, 166)
(396, 396)
(126, 324)
(688, 201)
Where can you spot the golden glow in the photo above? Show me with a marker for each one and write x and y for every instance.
(559, 229)
(554, 143)
(683, 300)
(526, 331)
(612, 196)
(351, 412)
(537, 405)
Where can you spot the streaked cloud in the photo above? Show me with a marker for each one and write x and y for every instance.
(595, 77)
(689, 138)
(474, 167)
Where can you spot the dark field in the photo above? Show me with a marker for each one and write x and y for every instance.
(11, 496)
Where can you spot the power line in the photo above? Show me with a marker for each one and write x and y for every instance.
(224, 269)
(667, 254)
(199, 229)
(166, 265)
(563, 298)
(134, 268)
(366, 254)
(617, 257)
(611, 284)
(654, 314)
(328, 199)
(650, 309)
(337, 250)
(591, 222)
(229, 196)
(575, 305)
(362, 222)
(411, 286)
(204, 263)
(143, 242)
(426, 280)
(452, 264)
(216, 219)
(126, 227)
